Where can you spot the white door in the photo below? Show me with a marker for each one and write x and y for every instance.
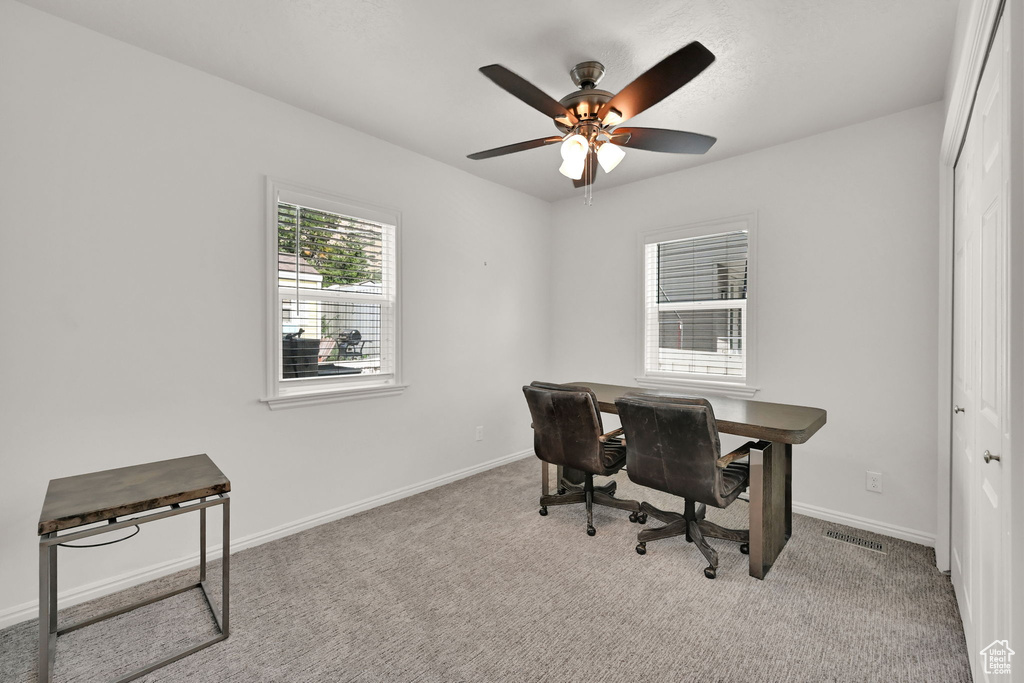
(980, 434)
(965, 253)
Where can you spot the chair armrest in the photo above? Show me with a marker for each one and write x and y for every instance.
(738, 454)
(610, 435)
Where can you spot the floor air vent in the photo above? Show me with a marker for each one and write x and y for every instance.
(857, 540)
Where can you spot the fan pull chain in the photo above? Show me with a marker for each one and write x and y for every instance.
(588, 189)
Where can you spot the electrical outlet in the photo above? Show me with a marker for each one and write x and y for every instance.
(479, 433)
(873, 482)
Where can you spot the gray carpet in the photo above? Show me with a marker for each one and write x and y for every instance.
(468, 583)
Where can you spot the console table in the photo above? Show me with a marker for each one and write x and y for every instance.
(137, 495)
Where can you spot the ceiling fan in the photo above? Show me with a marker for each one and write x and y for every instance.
(589, 118)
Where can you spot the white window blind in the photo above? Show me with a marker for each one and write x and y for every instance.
(695, 303)
(336, 290)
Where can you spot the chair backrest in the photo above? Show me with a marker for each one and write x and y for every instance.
(671, 445)
(566, 425)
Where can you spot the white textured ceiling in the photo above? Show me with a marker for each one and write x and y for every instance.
(406, 70)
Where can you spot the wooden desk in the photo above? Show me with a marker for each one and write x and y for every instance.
(181, 485)
(771, 468)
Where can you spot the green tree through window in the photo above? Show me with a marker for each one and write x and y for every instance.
(340, 250)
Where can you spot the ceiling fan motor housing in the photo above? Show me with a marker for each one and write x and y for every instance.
(585, 102)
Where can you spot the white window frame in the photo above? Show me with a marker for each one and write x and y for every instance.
(647, 325)
(314, 391)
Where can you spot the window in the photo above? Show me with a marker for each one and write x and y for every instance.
(698, 317)
(333, 291)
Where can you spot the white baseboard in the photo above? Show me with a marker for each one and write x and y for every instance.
(74, 596)
(865, 524)
(862, 523)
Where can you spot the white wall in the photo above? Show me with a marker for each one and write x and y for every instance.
(122, 170)
(847, 267)
(132, 291)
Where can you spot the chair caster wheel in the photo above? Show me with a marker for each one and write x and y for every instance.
(591, 531)
(710, 572)
(543, 512)
(633, 517)
(641, 548)
(745, 548)
(641, 518)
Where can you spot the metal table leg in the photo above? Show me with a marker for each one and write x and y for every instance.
(788, 448)
(47, 607)
(202, 543)
(222, 614)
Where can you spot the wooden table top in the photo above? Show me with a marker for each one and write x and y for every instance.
(98, 496)
(777, 422)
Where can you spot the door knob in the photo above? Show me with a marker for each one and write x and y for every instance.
(957, 409)
(989, 457)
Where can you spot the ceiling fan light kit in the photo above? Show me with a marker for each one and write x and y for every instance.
(573, 169)
(575, 146)
(588, 117)
(609, 155)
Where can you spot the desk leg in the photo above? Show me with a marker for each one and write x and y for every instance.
(767, 506)
(47, 607)
(545, 478)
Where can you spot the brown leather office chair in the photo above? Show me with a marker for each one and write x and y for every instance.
(567, 431)
(674, 447)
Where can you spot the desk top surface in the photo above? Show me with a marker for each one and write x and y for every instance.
(779, 422)
(98, 496)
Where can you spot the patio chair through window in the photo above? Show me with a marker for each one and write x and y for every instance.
(350, 344)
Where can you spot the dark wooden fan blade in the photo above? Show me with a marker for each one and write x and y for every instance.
(518, 147)
(589, 171)
(527, 92)
(657, 83)
(662, 140)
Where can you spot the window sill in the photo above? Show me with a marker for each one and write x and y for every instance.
(698, 386)
(334, 395)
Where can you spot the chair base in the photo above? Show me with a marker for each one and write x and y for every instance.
(566, 486)
(696, 529)
(591, 495)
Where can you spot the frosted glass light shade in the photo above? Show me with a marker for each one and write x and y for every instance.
(572, 168)
(609, 156)
(575, 147)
